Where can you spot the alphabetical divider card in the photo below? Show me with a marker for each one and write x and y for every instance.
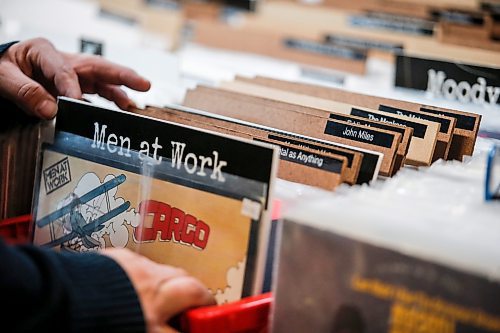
(292, 112)
(406, 132)
(385, 142)
(359, 168)
(464, 133)
(235, 100)
(447, 128)
(426, 130)
(309, 164)
(423, 142)
(214, 99)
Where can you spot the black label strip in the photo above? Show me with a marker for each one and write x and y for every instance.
(365, 44)
(463, 122)
(308, 159)
(313, 146)
(325, 49)
(368, 162)
(376, 124)
(458, 16)
(393, 23)
(360, 134)
(445, 123)
(419, 130)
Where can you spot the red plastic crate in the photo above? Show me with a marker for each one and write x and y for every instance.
(15, 230)
(249, 315)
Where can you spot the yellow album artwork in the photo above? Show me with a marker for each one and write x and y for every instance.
(87, 206)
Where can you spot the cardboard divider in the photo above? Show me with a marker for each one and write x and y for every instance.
(312, 122)
(457, 134)
(383, 141)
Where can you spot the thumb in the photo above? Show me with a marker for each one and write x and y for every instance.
(29, 95)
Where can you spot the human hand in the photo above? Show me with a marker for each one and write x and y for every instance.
(164, 291)
(33, 73)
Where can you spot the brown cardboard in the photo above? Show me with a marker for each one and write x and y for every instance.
(393, 7)
(353, 157)
(305, 174)
(377, 48)
(406, 131)
(288, 17)
(270, 43)
(444, 140)
(196, 10)
(467, 32)
(421, 150)
(463, 140)
(287, 170)
(223, 97)
(306, 124)
(127, 8)
(468, 35)
(459, 4)
(363, 165)
(151, 18)
(416, 8)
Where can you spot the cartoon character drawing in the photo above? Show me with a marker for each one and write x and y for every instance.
(74, 224)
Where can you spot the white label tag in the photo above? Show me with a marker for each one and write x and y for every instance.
(251, 208)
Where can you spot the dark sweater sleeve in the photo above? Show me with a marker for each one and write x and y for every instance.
(4, 47)
(47, 291)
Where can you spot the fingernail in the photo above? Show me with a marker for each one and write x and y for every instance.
(47, 109)
(145, 86)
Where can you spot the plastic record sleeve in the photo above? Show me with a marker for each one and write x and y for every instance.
(87, 200)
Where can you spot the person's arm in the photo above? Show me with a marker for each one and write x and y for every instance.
(120, 291)
(49, 292)
(112, 291)
(33, 73)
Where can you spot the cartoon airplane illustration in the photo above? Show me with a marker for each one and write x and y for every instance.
(79, 226)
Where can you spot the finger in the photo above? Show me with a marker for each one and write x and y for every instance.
(115, 94)
(182, 293)
(54, 68)
(164, 273)
(101, 70)
(26, 93)
(165, 329)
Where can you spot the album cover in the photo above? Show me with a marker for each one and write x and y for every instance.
(172, 205)
(353, 285)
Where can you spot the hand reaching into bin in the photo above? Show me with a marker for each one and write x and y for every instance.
(33, 73)
(164, 291)
(112, 291)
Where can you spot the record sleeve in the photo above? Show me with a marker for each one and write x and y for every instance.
(176, 206)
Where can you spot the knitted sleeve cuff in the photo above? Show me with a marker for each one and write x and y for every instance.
(102, 296)
(5, 47)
